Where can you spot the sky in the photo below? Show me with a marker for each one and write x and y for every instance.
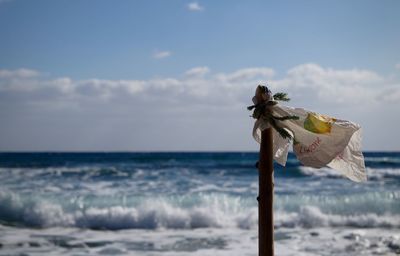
(103, 75)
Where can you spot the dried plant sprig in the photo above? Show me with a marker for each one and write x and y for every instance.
(262, 110)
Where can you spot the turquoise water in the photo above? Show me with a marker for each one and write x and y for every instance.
(184, 194)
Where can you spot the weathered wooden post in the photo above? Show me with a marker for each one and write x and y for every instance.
(266, 196)
(340, 150)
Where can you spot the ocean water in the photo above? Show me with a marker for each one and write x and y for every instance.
(191, 204)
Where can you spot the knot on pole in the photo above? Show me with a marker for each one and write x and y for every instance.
(264, 101)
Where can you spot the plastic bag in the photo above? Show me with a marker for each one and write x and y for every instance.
(318, 141)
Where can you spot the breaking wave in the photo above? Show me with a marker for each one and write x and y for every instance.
(215, 211)
(372, 173)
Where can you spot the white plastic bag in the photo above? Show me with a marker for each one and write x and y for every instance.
(318, 141)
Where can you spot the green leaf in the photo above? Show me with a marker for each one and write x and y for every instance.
(251, 107)
(260, 112)
(283, 118)
(281, 96)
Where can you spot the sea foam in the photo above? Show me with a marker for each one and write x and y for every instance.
(372, 173)
(162, 214)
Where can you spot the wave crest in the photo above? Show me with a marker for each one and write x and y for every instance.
(217, 212)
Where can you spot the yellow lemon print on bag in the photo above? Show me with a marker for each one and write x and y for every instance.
(317, 123)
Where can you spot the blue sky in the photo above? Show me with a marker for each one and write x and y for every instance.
(104, 75)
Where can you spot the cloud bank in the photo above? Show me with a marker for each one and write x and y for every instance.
(304, 83)
(198, 100)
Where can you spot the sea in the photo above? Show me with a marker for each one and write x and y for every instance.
(191, 203)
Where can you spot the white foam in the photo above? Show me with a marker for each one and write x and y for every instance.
(380, 173)
(215, 212)
(147, 215)
(321, 172)
(208, 241)
(311, 217)
(163, 215)
(386, 159)
(372, 173)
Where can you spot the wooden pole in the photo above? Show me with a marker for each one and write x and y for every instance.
(266, 196)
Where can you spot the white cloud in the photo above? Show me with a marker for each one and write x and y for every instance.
(195, 6)
(161, 54)
(303, 82)
(21, 73)
(389, 95)
(197, 71)
(331, 86)
(199, 101)
(244, 74)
